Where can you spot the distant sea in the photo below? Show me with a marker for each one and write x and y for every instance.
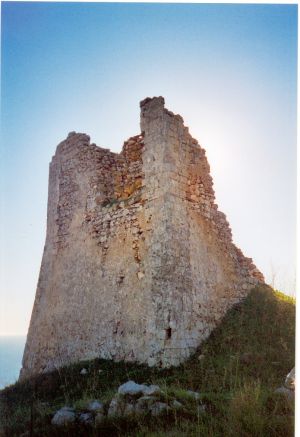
(11, 353)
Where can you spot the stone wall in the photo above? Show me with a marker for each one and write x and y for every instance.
(139, 263)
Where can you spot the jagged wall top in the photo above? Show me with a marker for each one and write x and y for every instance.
(179, 162)
(153, 107)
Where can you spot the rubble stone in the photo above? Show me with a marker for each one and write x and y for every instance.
(64, 416)
(86, 419)
(131, 388)
(116, 407)
(159, 408)
(193, 394)
(95, 406)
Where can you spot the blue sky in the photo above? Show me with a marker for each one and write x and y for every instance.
(229, 70)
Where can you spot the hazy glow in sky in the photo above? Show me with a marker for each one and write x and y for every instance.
(229, 70)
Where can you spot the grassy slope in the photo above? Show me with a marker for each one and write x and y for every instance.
(242, 363)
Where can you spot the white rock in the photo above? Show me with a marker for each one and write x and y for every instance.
(131, 388)
(64, 416)
(115, 407)
(158, 408)
(83, 371)
(151, 390)
(177, 405)
(95, 406)
(193, 394)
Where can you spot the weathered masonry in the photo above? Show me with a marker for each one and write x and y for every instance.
(139, 263)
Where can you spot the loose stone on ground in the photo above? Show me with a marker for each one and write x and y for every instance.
(131, 399)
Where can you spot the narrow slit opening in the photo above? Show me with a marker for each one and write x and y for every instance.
(168, 333)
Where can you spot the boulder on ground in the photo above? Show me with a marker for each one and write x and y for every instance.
(193, 394)
(95, 406)
(64, 416)
(131, 388)
(151, 390)
(159, 408)
(177, 405)
(86, 419)
(116, 407)
(289, 394)
(143, 403)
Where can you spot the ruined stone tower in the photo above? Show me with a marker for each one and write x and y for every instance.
(139, 263)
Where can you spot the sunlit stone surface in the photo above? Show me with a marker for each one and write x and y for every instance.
(139, 263)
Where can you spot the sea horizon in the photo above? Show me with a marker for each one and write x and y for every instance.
(11, 353)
